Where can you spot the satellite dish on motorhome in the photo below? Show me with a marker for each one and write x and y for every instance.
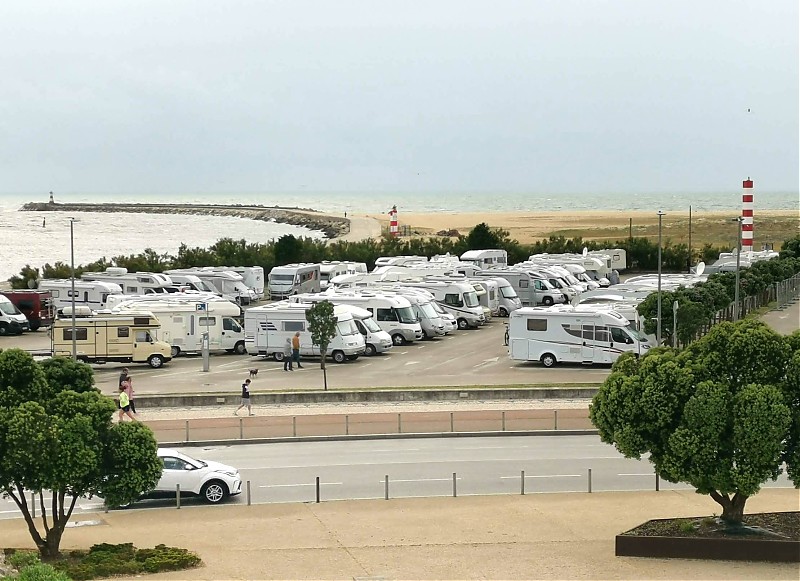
(700, 268)
(585, 251)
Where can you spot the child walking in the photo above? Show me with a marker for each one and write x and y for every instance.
(245, 399)
(124, 405)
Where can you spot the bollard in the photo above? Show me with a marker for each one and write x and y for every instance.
(33, 504)
(187, 430)
(386, 487)
(294, 426)
(178, 496)
(522, 483)
(399, 425)
(590, 480)
(503, 417)
(454, 485)
(555, 419)
(452, 425)
(658, 484)
(346, 425)
(241, 428)
(317, 489)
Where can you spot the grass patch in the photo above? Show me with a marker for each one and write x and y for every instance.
(104, 560)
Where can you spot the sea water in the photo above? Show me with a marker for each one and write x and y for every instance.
(23, 239)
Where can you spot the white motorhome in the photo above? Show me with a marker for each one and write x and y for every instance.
(507, 297)
(12, 321)
(579, 273)
(132, 283)
(102, 337)
(267, 327)
(490, 299)
(89, 294)
(457, 298)
(617, 256)
(565, 336)
(329, 270)
(252, 277)
(486, 258)
(376, 340)
(393, 313)
(596, 268)
(422, 303)
(531, 288)
(293, 279)
(229, 284)
(194, 283)
(398, 260)
(184, 322)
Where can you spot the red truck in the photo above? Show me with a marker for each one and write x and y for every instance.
(36, 305)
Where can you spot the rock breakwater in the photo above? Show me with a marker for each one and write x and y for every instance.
(331, 226)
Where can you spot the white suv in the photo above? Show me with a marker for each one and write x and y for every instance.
(212, 481)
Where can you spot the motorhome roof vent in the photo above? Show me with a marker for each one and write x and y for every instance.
(80, 311)
(116, 270)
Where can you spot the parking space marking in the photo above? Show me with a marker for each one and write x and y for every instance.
(299, 484)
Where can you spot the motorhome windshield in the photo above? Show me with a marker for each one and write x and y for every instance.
(9, 309)
(637, 335)
(571, 279)
(347, 327)
(406, 315)
(202, 285)
(428, 310)
(281, 277)
(508, 292)
(438, 308)
(471, 299)
(370, 325)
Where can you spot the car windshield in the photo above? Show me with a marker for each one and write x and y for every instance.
(9, 309)
(347, 327)
(370, 325)
(508, 292)
(406, 315)
(428, 310)
(471, 299)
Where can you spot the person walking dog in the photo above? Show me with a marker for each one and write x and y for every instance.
(287, 355)
(245, 399)
(296, 350)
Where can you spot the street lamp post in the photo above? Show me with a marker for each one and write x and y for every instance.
(72, 285)
(736, 305)
(658, 315)
(674, 324)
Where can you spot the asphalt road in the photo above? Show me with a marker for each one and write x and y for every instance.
(283, 473)
(470, 357)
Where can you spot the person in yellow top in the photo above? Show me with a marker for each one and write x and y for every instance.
(296, 350)
(125, 405)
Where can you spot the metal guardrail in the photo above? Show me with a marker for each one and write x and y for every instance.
(787, 291)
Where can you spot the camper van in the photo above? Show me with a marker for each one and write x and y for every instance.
(293, 279)
(193, 282)
(185, 321)
(268, 326)
(36, 305)
(564, 335)
(12, 321)
(329, 270)
(251, 276)
(486, 258)
(132, 283)
(89, 294)
(376, 340)
(229, 284)
(531, 288)
(393, 313)
(507, 297)
(490, 299)
(102, 337)
(422, 303)
(457, 298)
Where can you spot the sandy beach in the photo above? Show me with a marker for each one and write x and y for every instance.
(527, 227)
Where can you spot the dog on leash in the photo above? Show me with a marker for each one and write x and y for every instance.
(253, 373)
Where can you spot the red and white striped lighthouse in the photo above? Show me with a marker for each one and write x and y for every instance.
(393, 231)
(747, 215)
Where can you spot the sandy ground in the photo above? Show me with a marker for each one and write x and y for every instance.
(528, 227)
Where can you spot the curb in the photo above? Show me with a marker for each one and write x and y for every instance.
(409, 436)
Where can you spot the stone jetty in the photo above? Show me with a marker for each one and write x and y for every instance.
(331, 226)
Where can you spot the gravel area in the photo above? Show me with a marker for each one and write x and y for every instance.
(224, 411)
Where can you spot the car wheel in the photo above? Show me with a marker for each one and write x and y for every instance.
(352, 357)
(175, 351)
(278, 356)
(155, 361)
(503, 312)
(3, 329)
(462, 324)
(35, 325)
(398, 339)
(339, 356)
(547, 301)
(214, 492)
(549, 360)
(240, 349)
(369, 350)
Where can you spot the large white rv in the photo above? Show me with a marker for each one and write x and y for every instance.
(457, 298)
(132, 283)
(489, 258)
(89, 294)
(229, 284)
(103, 337)
(328, 270)
(531, 288)
(293, 279)
(568, 336)
(508, 298)
(194, 283)
(268, 326)
(185, 321)
(376, 340)
(252, 277)
(398, 260)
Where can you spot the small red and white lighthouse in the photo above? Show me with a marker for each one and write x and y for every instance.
(393, 231)
(747, 215)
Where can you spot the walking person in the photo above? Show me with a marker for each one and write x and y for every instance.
(126, 381)
(124, 405)
(287, 355)
(245, 399)
(296, 350)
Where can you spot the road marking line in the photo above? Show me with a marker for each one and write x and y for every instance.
(411, 362)
(542, 476)
(638, 474)
(300, 484)
(423, 480)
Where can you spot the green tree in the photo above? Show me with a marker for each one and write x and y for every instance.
(56, 435)
(288, 250)
(322, 324)
(717, 415)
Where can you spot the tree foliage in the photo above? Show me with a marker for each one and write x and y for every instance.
(57, 438)
(722, 415)
(322, 324)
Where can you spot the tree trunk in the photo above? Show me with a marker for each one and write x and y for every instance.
(732, 507)
(52, 543)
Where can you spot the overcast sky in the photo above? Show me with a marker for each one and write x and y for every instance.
(344, 95)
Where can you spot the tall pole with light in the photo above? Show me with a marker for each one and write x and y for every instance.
(658, 315)
(736, 306)
(674, 324)
(72, 285)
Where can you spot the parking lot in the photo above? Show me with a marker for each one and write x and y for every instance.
(471, 357)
